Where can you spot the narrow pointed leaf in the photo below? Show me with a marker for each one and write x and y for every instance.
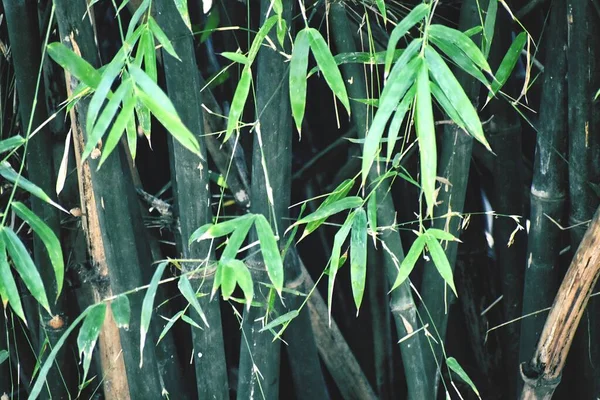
(74, 64)
(149, 48)
(426, 136)
(298, 67)
(409, 261)
(162, 37)
(441, 235)
(332, 208)
(440, 260)
(25, 267)
(227, 277)
(121, 310)
(117, 129)
(328, 67)
(358, 256)
(235, 57)
(260, 37)
(339, 192)
(458, 56)
(462, 41)
(446, 105)
(8, 286)
(396, 123)
(210, 231)
(239, 101)
(88, 335)
(49, 239)
(11, 143)
(508, 62)
(458, 370)
(282, 319)
(185, 287)
(381, 7)
(182, 7)
(244, 280)
(169, 325)
(372, 215)
(147, 307)
(334, 261)
(3, 356)
(489, 25)
(236, 240)
(270, 252)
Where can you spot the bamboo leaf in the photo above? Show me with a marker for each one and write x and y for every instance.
(88, 335)
(260, 37)
(182, 7)
(334, 261)
(440, 260)
(425, 128)
(462, 41)
(282, 319)
(298, 67)
(169, 325)
(131, 132)
(411, 19)
(11, 143)
(340, 192)
(239, 101)
(400, 80)
(74, 64)
(458, 370)
(489, 25)
(211, 231)
(441, 235)
(270, 252)
(121, 310)
(446, 105)
(282, 30)
(237, 238)
(328, 67)
(243, 278)
(162, 37)
(358, 256)
(381, 7)
(331, 209)
(460, 58)
(3, 356)
(49, 239)
(149, 49)
(137, 16)
(190, 321)
(455, 94)
(227, 278)
(12, 176)
(396, 123)
(235, 57)
(25, 267)
(360, 57)
(372, 215)
(8, 286)
(508, 63)
(185, 287)
(409, 261)
(116, 131)
(148, 305)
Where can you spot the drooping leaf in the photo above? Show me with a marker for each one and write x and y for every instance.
(137, 16)
(508, 63)
(227, 278)
(425, 128)
(338, 193)
(211, 231)
(8, 286)
(11, 143)
(235, 272)
(489, 25)
(88, 335)
(282, 319)
(244, 281)
(121, 310)
(358, 256)
(239, 101)
(334, 261)
(381, 7)
(396, 123)
(462, 41)
(409, 261)
(148, 47)
(446, 105)
(441, 235)
(332, 208)
(237, 238)
(411, 19)
(25, 267)
(169, 325)
(148, 305)
(372, 215)
(260, 37)
(162, 38)
(270, 252)
(298, 67)
(441, 261)
(116, 131)
(182, 7)
(49, 239)
(458, 370)
(74, 64)
(458, 56)
(185, 287)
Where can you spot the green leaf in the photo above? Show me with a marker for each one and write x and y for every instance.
(473, 31)
(121, 310)
(270, 252)
(25, 267)
(332, 208)
(489, 25)
(328, 67)
(182, 7)
(282, 31)
(160, 105)
(148, 305)
(74, 64)
(49, 239)
(282, 319)
(416, 15)
(12, 176)
(462, 41)
(396, 123)
(508, 63)
(458, 370)
(8, 286)
(372, 215)
(11, 143)
(409, 261)
(148, 47)
(244, 281)
(441, 235)
(137, 16)
(381, 7)
(339, 192)
(277, 6)
(360, 57)
(358, 256)
(440, 260)
(455, 94)
(116, 131)
(3, 356)
(260, 37)
(460, 58)
(232, 272)
(298, 67)
(400, 80)
(235, 57)
(185, 287)
(169, 325)
(237, 238)
(109, 112)
(130, 129)
(88, 335)
(239, 101)
(211, 231)
(446, 105)
(334, 261)
(162, 37)
(425, 128)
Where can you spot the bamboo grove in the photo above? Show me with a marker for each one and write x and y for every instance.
(355, 199)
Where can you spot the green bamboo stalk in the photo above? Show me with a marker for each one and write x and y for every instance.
(258, 350)
(454, 163)
(193, 199)
(401, 304)
(549, 186)
(26, 45)
(584, 157)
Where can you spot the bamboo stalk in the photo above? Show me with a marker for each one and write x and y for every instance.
(402, 305)
(192, 198)
(25, 41)
(549, 187)
(542, 373)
